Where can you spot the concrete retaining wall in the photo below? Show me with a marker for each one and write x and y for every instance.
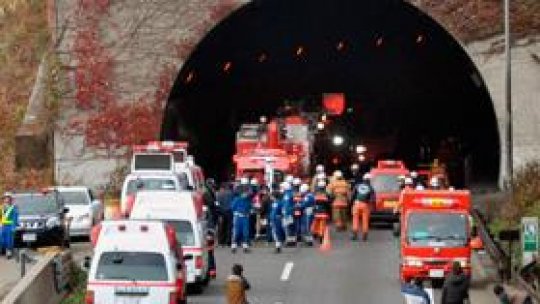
(37, 287)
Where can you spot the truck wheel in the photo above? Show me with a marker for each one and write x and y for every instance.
(196, 288)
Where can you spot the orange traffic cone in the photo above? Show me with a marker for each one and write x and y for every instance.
(326, 243)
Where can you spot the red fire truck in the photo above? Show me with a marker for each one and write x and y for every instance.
(435, 232)
(268, 151)
(385, 182)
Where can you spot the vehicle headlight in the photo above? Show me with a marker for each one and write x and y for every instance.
(464, 262)
(52, 222)
(412, 262)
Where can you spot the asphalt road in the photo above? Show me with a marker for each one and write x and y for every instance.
(351, 272)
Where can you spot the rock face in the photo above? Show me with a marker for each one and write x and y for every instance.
(147, 36)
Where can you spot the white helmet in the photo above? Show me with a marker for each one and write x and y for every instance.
(321, 183)
(244, 181)
(419, 187)
(338, 174)
(304, 188)
(319, 169)
(401, 177)
(296, 182)
(285, 186)
(434, 182)
(289, 179)
(414, 174)
(320, 176)
(254, 182)
(367, 176)
(408, 181)
(355, 167)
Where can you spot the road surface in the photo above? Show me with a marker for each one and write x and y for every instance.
(351, 272)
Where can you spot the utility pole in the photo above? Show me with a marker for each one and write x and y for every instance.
(508, 94)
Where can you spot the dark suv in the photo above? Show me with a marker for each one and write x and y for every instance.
(41, 219)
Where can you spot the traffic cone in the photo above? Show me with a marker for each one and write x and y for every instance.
(326, 243)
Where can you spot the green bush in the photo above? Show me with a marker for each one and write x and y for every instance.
(78, 281)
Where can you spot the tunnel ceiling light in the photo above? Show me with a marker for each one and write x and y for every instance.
(227, 66)
(338, 140)
(300, 50)
(262, 57)
(190, 76)
(379, 41)
(263, 119)
(324, 118)
(340, 46)
(361, 149)
(320, 126)
(420, 38)
(361, 158)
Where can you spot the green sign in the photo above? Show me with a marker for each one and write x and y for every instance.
(529, 233)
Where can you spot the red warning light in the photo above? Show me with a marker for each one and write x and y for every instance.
(334, 103)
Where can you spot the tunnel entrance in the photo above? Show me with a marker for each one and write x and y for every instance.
(409, 85)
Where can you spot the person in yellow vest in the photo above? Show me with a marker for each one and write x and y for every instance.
(340, 190)
(10, 220)
(236, 286)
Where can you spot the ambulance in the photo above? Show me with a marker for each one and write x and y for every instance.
(387, 187)
(179, 211)
(135, 262)
(435, 232)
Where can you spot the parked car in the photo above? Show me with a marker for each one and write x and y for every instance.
(41, 219)
(85, 210)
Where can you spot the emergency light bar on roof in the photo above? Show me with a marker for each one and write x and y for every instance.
(162, 146)
(390, 164)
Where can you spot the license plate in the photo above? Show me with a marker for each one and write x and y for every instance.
(128, 300)
(29, 237)
(436, 273)
(390, 204)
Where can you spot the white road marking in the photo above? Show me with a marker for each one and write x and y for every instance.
(287, 271)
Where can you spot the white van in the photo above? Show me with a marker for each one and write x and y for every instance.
(135, 262)
(178, 210)
(155, 181)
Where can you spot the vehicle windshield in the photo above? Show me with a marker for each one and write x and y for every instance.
(436, 229)
(165, 184)
(153, 162)
(36, 204)
(184, 232)
(131, 266)
(385, 183)
(75, 198)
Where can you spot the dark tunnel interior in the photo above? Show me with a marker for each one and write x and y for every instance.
(406, 80)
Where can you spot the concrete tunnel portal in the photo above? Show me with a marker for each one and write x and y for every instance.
(407, 81)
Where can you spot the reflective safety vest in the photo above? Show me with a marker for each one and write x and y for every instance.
(6, 213)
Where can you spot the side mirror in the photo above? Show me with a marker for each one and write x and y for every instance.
(65, 210)
(87, 262)
(190, 188)
(188, 257)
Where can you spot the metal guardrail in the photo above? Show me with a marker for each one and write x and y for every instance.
(500, 257)
(493, 248)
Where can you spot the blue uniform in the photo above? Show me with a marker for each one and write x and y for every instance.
(241, 208)
(288, 212)
(276, 221)
(10, 220)
(307, 205)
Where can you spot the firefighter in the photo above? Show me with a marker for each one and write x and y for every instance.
(408, 184)
(276, 217)
(288, 212)
(364, 196)
(255, 211)
(308, 202)
(340, 190)
(297, 214)
(434, 183)
(321, 210)
(9, 217)
(241, 208)
(297, 182)
(414, 177)
(319, 175)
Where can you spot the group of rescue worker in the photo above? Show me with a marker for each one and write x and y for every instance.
(297, 210)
